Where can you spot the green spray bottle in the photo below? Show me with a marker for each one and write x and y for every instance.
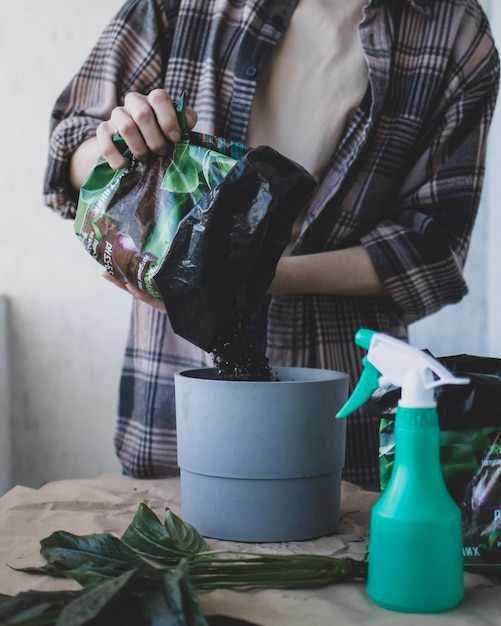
(415, 540)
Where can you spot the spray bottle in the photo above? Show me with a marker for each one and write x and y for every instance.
(415, 541)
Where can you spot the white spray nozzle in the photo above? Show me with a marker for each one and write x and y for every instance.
(391, 360)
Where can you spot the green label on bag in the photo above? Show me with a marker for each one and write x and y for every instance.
(471, 465)
(128, 218)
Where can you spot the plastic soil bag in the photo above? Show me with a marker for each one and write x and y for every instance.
(225, 251)
(470, 450)
(201, 228)
(128, 218)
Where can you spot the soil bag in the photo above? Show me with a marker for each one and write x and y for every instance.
(470, 451)
(201, 228)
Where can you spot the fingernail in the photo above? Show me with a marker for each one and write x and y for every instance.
(175, 136)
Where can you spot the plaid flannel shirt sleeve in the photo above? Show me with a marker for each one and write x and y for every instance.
(419, 254)
(128, 56)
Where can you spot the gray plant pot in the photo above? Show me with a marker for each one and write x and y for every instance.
(261, 461)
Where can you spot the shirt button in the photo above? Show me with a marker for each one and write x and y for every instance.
(251, 71)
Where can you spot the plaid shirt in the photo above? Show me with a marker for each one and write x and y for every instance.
(404, 182)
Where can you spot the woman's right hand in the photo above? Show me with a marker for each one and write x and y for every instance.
(148, 124)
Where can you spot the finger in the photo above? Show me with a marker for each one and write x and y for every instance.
(191, 117)
(165, 114)
(146, 135)
(115, 281)
(104, 136)
(144, 297)
(131, 121)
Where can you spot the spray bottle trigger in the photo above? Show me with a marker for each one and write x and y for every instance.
(366, 386)
(363, 337)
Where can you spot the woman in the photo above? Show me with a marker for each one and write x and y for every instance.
(388, 104)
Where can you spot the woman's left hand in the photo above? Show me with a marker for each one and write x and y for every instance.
(136, 292)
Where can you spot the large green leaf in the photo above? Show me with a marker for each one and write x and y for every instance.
(190, 604)
(89, 577)
(100, 552)
(35, 608)
(176, 603)
(185, 536)
(89, 604)
(168, 542)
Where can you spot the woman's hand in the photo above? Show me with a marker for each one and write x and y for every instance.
(136, 292)
(148, 124)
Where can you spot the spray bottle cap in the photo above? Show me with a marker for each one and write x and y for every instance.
(392, 361)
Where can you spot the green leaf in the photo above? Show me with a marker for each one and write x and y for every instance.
(100, 552)
(44, 570)
(177, 602)
(84, 577)
(114, 575)
(156, 610)
(88, 578)
(191, 605)
(35, 608)
(185, 536)
(167, 543)
(89, 604)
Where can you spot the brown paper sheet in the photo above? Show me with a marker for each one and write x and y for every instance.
(109, 504)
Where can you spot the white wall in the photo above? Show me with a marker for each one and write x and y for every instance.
(5, 404)
(67, 325)
(471, 326)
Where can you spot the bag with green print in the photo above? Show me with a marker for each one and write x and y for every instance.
(470, 452)
(201, 228)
